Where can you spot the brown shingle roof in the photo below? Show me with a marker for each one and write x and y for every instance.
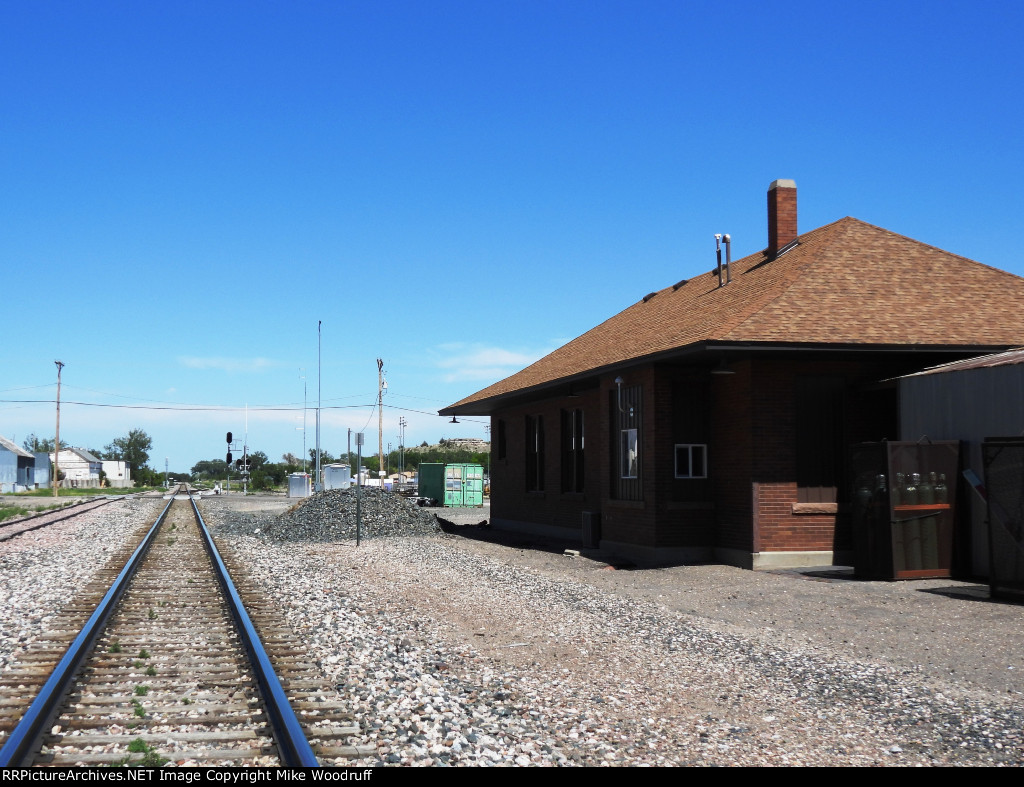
(846, 283)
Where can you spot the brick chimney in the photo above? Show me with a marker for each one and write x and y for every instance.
(781, 215)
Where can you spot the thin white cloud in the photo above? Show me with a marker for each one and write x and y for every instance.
(227, 364)
(478, 362)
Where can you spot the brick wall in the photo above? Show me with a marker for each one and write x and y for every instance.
(731, 455)
(752, 485)
(509, 498)
(780, 527)
(631, 521)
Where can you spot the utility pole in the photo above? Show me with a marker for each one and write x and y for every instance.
(381, 385)
(304, 457)
(487, 466)
(316, 481)
(359, 488)
(401, 446)
(56, 440)
(245, 454)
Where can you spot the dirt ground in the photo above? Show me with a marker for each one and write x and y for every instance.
(951, 631)
(948, 631)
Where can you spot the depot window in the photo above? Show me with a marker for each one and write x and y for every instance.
(691, 460)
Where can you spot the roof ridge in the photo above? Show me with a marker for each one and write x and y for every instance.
(13, 447)
(917, 242)
(793, 275)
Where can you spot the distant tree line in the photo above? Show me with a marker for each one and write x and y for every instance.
(265, 475)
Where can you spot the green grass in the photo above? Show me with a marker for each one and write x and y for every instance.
(149, 759)
(115, 648)
(89, 492)
(151, 670)
(143, 654)
(138, 709)
(9, 512)
(141, 691)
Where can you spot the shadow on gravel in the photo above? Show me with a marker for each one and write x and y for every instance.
(482, 531)
(823, 574)
(968, 593)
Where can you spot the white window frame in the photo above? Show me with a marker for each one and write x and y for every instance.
(686, 450)
(629, 454)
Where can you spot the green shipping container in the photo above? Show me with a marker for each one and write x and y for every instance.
(431, 481)
(455, 485)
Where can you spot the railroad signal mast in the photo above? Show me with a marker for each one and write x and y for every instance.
(243, 465)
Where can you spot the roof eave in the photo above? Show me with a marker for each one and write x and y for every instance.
(712, 349)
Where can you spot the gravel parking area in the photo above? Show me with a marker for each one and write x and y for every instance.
(476, 648)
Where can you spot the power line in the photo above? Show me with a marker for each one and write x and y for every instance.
(190, 408)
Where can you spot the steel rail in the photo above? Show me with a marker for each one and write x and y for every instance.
(293, 748)
(20, 747)
(72, 511)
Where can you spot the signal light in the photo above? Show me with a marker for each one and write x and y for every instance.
(229, 457)
(229, 439)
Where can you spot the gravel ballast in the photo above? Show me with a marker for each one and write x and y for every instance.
(472, 649)
(468, 651)
(40, 570)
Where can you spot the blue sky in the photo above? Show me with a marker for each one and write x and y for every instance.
(454, 187)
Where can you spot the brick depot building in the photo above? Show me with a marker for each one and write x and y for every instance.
(712, 420)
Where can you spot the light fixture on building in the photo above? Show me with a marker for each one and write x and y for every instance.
(453, 421)
(618, 382)
(722, 368)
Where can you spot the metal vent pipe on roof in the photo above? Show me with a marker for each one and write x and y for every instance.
(728, 257)
(718, 254)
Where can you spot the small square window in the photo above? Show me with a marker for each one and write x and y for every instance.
(691, 460)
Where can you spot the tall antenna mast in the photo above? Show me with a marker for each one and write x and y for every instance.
(56, 439)
(316, 481)
(381, 385)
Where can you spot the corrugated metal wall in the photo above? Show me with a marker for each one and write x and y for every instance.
(8, 470)
(967, 405)
(42, 470)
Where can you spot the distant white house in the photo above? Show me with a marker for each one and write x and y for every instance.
(79, 468)
(119, 474)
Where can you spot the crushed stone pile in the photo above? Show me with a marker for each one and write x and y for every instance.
(331, 516)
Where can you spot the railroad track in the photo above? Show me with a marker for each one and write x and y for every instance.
(170, 669)
(15, 527)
